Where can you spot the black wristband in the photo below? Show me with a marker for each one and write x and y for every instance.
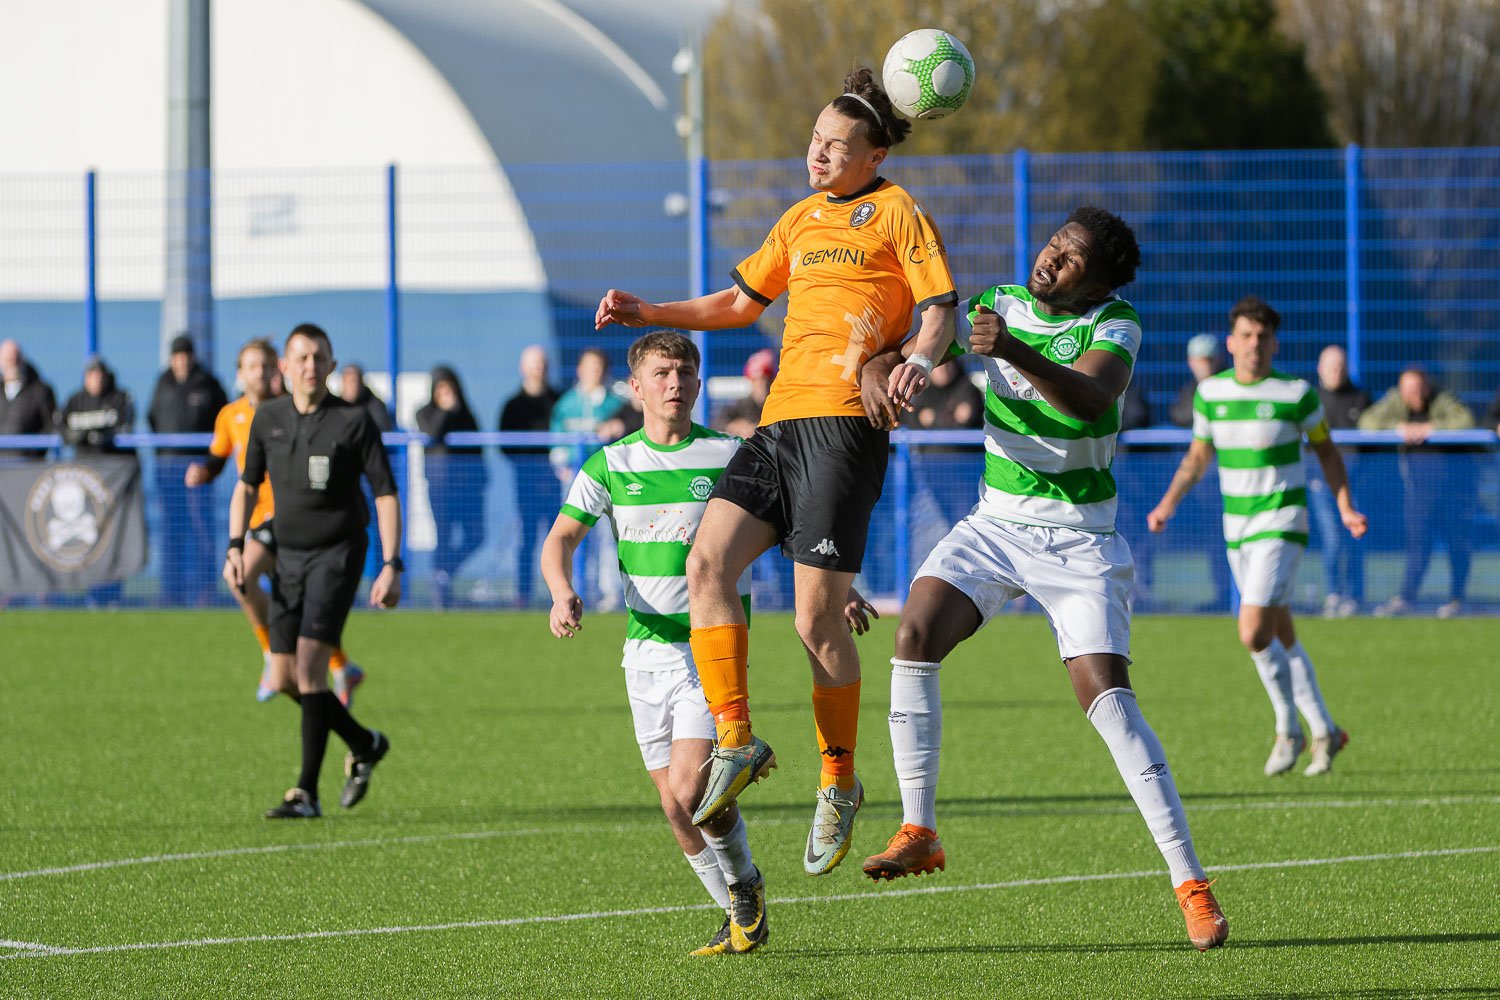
(395, 563)
(237, 543)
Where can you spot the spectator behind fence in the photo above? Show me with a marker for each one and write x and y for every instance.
(1492, 414)
(186, 401)
(1437, 484)
(537, 493)
(583, 408)
(1343, 556)
(1205, 357)
(742, 416)
(354, 391)
(456, 480)
(97, 412)
(27, 406)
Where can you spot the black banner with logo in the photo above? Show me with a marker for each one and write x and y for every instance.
(72, 525)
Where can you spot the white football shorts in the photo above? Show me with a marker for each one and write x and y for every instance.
(1082, 579)
(1265, 570)
(666, 705)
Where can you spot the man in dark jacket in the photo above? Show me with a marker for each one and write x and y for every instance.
(97, 412)
(27, 405)
(1343, 556)
(530, 409)
(186, 401)
(352, 390)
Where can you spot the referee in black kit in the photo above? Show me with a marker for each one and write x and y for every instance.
(314, 446)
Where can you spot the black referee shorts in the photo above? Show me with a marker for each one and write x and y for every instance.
(312, 591)
(816, 480)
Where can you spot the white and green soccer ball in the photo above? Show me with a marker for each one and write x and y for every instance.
(927, 74)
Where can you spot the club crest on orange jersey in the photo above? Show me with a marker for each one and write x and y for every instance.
(862, 213)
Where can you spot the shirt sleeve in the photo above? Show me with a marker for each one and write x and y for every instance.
(1118, 331)
(966, 313)
(1310, 413)
(924, 259)
(763, 275)
(255, 452)
(588, 497)
(376, 463)
(222, 446)
(1201, 428)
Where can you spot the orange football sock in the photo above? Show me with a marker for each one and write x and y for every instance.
(337, 660)
(722, 653)
(262, 636)
(836, 712)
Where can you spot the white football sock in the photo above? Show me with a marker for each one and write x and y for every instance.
(1143, 764)
(706, 867)
(1305, 691)
(733, 850)
(916, 723)
(1276, 676)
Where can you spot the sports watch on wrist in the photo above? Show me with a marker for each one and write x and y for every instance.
(395, 563)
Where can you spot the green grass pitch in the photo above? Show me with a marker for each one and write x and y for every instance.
(511, 845)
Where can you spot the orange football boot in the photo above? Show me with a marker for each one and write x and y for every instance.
(1206, 925)
(914, 850)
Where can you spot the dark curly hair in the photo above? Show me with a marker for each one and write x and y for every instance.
(1258, 310)
(1116, 253)
(890, 128)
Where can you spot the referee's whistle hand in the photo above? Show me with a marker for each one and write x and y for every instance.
(385, 592)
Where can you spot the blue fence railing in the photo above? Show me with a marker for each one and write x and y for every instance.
(474, 522)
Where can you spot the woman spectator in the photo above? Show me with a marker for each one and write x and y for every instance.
(456, 480)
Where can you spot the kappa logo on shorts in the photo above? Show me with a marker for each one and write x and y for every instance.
(701, 487)
(862, 214)
(826, 548)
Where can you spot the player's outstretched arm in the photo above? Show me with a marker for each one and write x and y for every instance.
(385, 592)
(721, 310)
(928, 348)
(566, 617)
(1337, 477)
(1193, 465)
(857, 611)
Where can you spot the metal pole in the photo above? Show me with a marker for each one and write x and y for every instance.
(1021, 207)
(689, 64)
(1351, 259)
(90, 267)
(392, 292)
(901, 487)
(187, 294)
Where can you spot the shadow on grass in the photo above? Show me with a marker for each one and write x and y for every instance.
(1095, 948)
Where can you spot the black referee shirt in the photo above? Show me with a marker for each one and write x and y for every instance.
(314, 461)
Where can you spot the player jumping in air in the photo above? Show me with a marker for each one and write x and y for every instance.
(653, 486)
(254, 370)
(1255, 418)
(1058, 354)
(855, 258)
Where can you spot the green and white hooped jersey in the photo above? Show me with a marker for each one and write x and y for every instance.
(1257, 430)
(654, 495)
(1042, 466)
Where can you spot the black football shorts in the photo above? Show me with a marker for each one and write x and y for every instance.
(313, 590)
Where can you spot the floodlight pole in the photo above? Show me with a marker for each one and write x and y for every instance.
(187, 304)
(688, 63)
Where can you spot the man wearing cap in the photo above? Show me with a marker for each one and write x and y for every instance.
(186, 401)
(742, 416)
(1203, 359)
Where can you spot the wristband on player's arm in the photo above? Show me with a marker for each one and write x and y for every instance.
(237, 543)
(921, 361)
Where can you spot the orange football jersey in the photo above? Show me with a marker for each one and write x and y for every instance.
(853, 269)
(231, 431)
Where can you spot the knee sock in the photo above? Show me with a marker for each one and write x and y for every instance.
(721, 654)
(314, 743)
(357, 737)
(836, 713)
(1276, 676)
(916, 724)
(1305, 690)
(733, 850)
(262, 636)
(337, 660)
(706, 867)
(1143, 764)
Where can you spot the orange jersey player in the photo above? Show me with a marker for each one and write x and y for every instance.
(855, 259)
(257, 362)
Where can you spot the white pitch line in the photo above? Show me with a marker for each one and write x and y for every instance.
(26, 946)
(1127, 808)
(52, 952)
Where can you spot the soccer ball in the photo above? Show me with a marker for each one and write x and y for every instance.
(927, 74)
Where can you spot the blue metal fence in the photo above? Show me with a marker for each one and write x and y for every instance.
(1433, 536)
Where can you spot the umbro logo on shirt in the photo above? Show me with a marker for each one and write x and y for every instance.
(634, 489)
(1221, 411)
(826, 548)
